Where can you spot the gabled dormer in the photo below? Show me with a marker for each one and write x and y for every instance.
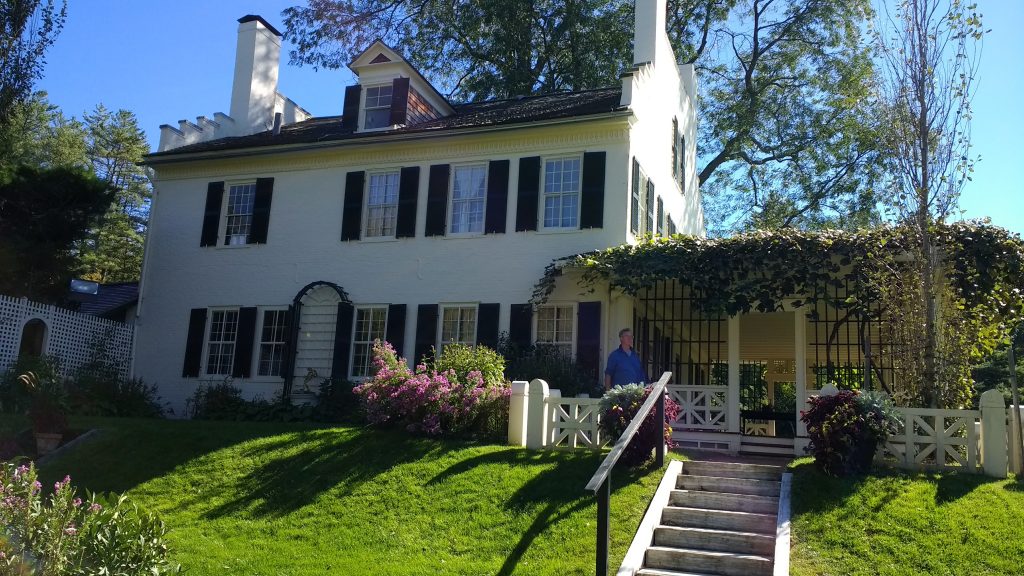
(390, 93)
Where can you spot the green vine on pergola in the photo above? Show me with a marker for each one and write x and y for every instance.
(763, 271)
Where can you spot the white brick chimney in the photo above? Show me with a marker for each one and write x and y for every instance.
(254, 90)
(650, 40)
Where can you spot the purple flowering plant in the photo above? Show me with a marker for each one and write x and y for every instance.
(60, 534)
(428, 400)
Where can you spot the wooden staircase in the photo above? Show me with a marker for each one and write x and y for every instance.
(709, 518)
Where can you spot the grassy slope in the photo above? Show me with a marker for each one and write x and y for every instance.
(276, 499)
(897, 523)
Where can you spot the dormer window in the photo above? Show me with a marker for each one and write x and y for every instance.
(377, 110)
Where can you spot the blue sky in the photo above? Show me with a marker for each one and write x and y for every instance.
(167, 61)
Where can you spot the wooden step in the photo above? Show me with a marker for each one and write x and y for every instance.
(723, 563)
(660, 572)
(718, 519)
(730, 485)
(724, 501)
(733, 470)
(715, 540)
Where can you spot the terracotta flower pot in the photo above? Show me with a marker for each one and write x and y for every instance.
(47, 442)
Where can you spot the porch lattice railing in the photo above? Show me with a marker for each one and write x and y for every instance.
(701, 407)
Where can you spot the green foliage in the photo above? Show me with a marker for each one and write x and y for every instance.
(336, 402)
(63, 535)
(618, 408)
(27, 29)
(48, 404)
(37, 133)
(14, 397)
(760, 271)
(557, 369)
(44, 214)
(462, 360)
(223, 401)
(215, 401)
(98, 388)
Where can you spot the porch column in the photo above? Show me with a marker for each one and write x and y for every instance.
(734, 374)
(800, 341)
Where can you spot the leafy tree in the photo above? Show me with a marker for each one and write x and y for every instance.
(38, 134)
(791, 136)
(44, 213)
(929, 54)
(115, 144)
(27, 29)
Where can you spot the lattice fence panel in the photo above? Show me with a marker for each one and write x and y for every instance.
(70, 336)
(575, 423)
(936, 439)
(700, 407)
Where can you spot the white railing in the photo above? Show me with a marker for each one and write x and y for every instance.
(575, 423)
(701, 407)
(940, 439)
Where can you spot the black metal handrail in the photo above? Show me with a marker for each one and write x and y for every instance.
(600, 483)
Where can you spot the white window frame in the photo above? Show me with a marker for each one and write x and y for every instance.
(211, 312)
(262, 312)
(544, 195)
(366, 108)
(573, 315)
(355, 331)
(451, 199)
(366, 204)
(222, 228)
(475, 306)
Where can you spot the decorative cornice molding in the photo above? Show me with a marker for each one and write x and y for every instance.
(444, 148)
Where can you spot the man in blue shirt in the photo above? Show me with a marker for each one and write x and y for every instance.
(624, 365)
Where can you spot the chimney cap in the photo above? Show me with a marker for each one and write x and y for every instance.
(258, 18)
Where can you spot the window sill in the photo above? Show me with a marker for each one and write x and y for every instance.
(462, 235)
(375, 239)
(234, 246)
(558, 230)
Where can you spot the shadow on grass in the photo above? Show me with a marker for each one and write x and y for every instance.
(953, 486)
(128, 452)
(558, 491)
(301, 466)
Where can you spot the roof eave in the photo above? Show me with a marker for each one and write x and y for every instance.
(149, 160)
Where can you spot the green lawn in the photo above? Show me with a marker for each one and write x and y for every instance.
(292, 499)
(894, 522)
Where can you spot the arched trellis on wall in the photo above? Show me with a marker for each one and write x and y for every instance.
(295, 316)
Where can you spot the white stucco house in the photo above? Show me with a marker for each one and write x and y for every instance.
(281, 242)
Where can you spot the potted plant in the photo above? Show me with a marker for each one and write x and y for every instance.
(47, 410)
(846, 429)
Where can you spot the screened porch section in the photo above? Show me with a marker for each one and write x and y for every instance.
(741, 381)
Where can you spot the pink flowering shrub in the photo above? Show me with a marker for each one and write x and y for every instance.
(61, 534)
(430, 401)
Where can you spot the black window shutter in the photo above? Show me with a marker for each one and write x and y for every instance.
(529, 191)
(211, 216)
(245, 337)
(352, 218)
(426, 331)
(675, 147)
(682, 164)
(650, 208)
(408, 190)
(399, 101)
(592, 192)
(437, 199)
(261, 210)
(520, 325)
(342, 341)
(634, 207)
(661, 217)
(487, 325)
(588, 339)
(497, 197)
(395, 331)
(350, 113)
(194, 343)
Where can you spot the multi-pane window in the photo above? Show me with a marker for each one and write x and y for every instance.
(634, 211)
(273, 338)
(675, 147)
(220, 347)
(671, 225)
(238, 222)
(377, 107)
(381, 204)
(469, 193)
(370, 325)
(458, 325)
(682, 164)
(649, 224)
(554, 328)
(561, 192)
